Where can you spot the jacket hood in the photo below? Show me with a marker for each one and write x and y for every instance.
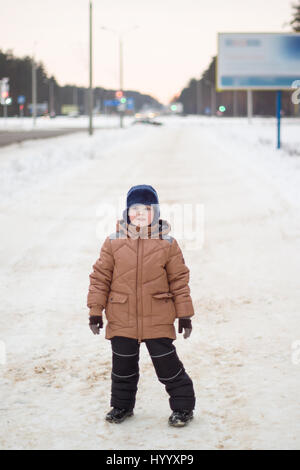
(158, 230)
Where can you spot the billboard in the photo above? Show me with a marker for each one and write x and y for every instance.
(257, 61)
(41, 108)
(69, 109)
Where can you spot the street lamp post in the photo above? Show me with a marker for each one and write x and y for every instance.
(51, 97)
(121, 62)
(34, 91)
(34, 85)
(121, 75)
(91, 69)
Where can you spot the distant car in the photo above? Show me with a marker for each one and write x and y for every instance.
(147, 121)
(146, 118)
(73, 114)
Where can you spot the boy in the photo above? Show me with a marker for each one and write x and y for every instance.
(141, 281)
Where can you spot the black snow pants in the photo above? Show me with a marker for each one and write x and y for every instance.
(169, 370)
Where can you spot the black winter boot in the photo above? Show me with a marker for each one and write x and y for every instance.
(117, 415)
(180, 418)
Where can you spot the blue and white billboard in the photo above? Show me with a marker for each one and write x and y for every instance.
(258, 60)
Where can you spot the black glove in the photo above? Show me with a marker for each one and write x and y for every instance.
(96, 323)
(185, 323)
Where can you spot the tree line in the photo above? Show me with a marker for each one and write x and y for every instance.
(19, 72)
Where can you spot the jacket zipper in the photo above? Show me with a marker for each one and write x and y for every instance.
(137, 267)
(142, 289)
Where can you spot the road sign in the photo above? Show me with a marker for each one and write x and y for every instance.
(21, 99)
(258, 61)
(122, 107)
(110, 103)
(130, 103)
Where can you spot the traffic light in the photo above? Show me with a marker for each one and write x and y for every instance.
(123, 100)
(119, 94)
(222, 109)
(4, 90)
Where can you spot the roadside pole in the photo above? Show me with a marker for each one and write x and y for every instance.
(91, 71)
(198, 96)
(122, 106)
(249, 105)
(213, 99)
(278, 113)
(51, 97)
(121, 75)
(235, 103)
(33, 92)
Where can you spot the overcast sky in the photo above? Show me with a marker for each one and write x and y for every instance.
(175, 41)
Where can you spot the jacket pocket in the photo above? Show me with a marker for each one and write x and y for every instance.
(117, 311)
(162, 309)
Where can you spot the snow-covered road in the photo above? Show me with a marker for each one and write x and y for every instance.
(245, 284)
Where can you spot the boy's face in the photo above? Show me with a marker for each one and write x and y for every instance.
(141, 215)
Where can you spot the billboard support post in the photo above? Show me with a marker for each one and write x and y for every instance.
(249, 105)
(278, 113)
(34, 93)
(235, 103)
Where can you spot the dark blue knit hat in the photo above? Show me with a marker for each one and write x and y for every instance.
(143, 194)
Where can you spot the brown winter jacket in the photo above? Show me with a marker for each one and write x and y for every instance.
(141, 280)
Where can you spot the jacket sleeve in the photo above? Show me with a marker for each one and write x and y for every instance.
(178, 276)
(100, 279)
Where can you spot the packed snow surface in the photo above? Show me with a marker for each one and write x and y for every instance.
(244, 351)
